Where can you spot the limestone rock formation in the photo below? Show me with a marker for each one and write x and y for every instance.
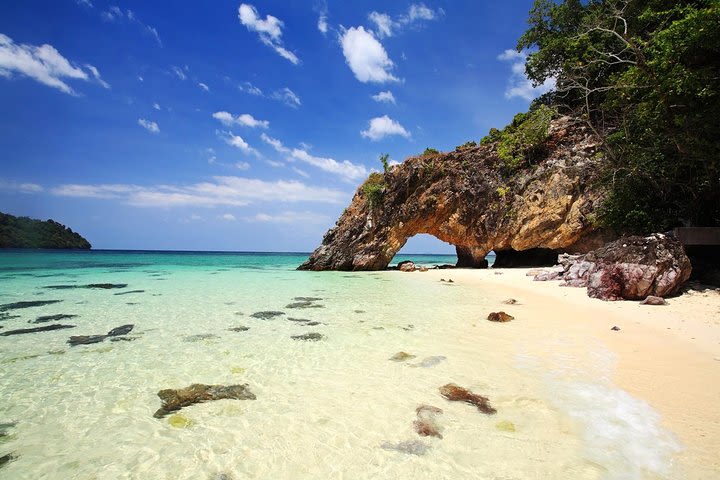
(471, 199)
(631, 268)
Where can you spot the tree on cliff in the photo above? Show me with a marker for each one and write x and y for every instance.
(645, 75)
(24, 232)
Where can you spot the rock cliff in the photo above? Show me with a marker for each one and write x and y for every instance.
(473, 199)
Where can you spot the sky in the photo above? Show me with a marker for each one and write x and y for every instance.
(177, 125)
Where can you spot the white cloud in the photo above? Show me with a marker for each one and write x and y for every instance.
(239, 143)
(366, 56)
(115, 14)
(178, 71)
(245, 119)
(20, 187)
(345, 169)
(386, 26)
(519, 85)
(386, 97)
(228, 217)
(85, 3)
(140, 78)
(248, 87)
(242, 166)
(222, 191)
(269, 30)
(275, 143)
(381, 127)
(156, 106)
(287, 96)
(203, 86)
(300, 172)
(43, 64)
(150, 126)
(290, 217)
(275, 164)
(322, 24)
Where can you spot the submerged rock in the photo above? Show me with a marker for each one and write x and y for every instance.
(34, 303)
(7, 459)
(653, 300)
(129, 292)
(311, 337)
(267, 315)
(430, 361)
(304, 304)
(200, 337)
(402, 356)
(426, 424)
(175, 399)
(52, 318)
(411, 447)
(46, 328)
(240, 328)
(90, 339)
(5, 427)
(103, 286)
(500, 317)
(455, 393)
(307, 299)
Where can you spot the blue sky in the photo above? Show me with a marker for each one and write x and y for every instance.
(238, 126)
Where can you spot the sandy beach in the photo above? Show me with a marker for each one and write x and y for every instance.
(668, 356)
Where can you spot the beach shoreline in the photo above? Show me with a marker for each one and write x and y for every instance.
(667, 356)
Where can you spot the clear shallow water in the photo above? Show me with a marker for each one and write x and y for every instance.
(326, 409)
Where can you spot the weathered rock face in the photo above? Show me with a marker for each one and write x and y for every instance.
(468, 199)
(630, 268)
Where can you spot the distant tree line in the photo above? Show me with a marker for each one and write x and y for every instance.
(24, 232)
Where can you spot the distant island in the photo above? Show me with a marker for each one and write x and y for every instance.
(25, 232)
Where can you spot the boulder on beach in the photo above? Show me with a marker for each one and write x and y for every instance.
(407, 266)
(175, 399)
(456, 393)
(653, 300)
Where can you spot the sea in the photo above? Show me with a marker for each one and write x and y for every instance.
(319, 352)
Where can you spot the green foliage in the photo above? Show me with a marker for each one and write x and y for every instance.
(430, 151)
(384, 158)
(24, 232)
(521, 141)
(466, 145)
(374, 188)
(502, 191)
(645, 74)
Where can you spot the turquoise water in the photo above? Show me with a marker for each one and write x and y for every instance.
(332, 408)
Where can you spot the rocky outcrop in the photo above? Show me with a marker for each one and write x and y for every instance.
(472, 199)
(631, 268)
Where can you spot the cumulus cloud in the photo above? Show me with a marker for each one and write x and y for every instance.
(287, 96)
(238, 142)
(322, 24)
(519, 85)
(290, 217)
(386, 26)
(366, 56)
(43, 64)
(346, 170)
(221, 191)
(247, 120)
(148, 125)
(381, 127)
(248, 87)
(269, 30)
(386, 97)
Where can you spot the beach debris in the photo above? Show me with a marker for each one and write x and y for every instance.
(308, 337)
(129, 292)
(52, 318)
(267, 315)
(653, 300)
(402, 356)
(46, 328)
(456, 393)
(175, 399)
(180, 421)
(90, 339)
(505, 426)
(34, 303)
(411, 447)
(406, 266)
(510, 301)
(615, 328)
(200, 337)
(239, 328)
(101, 286)
(428, 362)
(7, 459)
(500, 317)
(426, 424)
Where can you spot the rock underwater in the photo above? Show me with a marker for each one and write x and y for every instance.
(175, 399)
(469, 198)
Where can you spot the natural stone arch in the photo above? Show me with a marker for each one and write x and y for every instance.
(470, 199)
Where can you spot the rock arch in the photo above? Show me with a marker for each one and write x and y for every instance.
(469, 199)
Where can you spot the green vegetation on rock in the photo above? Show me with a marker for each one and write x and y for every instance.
(373, 189)
(24, 232)
(645, 76)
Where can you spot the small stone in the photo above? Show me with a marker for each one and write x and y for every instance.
(653, 300)
(500, 317)
(615, 328)
(240, 328)
(267, 315)
(505, 426)
(308, 337)
(401, 357)
(510, 301)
